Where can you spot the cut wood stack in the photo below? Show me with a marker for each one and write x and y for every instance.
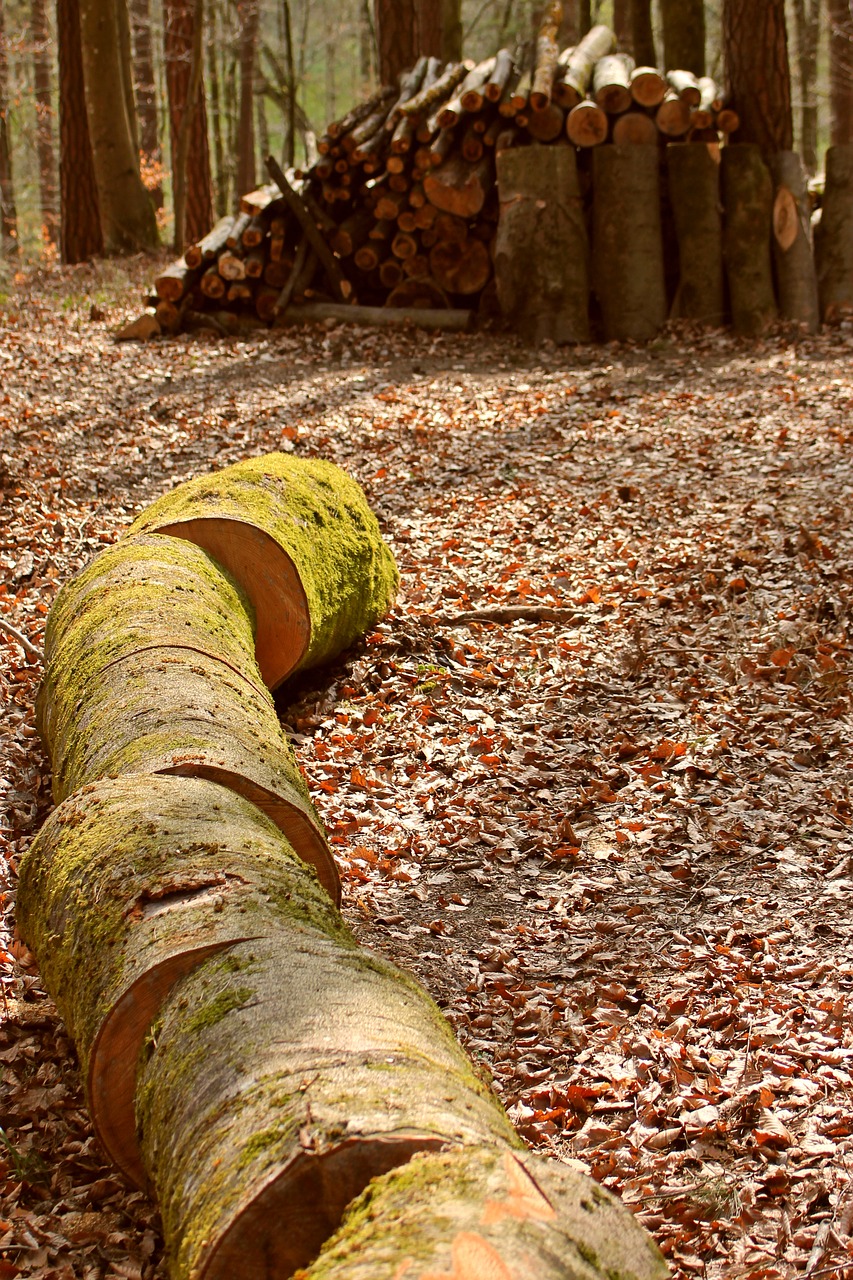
(242, 1055)
(400, 208)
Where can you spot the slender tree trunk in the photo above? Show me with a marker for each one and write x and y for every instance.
(248, 13)
(584, 16)
(684, 35)
(8, 212)
(146, 96)
(290, 71)
(185, 229)
(122, 10)
(570, 26)
(366, 39)
(261, 123)
(40, 34)
(81, 236)
(181, 19)
(451, 30)
(642, 34)
(331, 82)
(840, 71)
(622, 25)
(759, 83)
(127, 212)
(221, 181)
(807, 18)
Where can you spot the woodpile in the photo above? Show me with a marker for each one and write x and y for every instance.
(242, 1055)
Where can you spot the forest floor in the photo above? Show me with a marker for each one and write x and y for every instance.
(617, 846)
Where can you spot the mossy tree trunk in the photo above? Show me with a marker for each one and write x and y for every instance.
(627, 243)
(299, 537)
(834, 236)
(487, 1212)
(130, 884)
(748, 204)
(541, 250)
(694, 191)
(280, 1079)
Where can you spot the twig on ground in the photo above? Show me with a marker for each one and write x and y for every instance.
(22, 640)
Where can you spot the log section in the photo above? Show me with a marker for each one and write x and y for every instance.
(694, 189)
(834, 236)
(793, 258)
(128, 886)
(748, 203)
(487, 1212)
(299, 537)
(274, 1092)
(627, 241)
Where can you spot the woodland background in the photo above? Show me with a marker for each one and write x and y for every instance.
(274, 72)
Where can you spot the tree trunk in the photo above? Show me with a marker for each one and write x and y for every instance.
(451, 30)
(348, 1070)
(40, 31)
(807, 18)
(221, 179)
(541, 250)
(128, 886)
(405, 30)
(519, 1215)
(313, 592)
(81, 236)
(8, 212)
(684, 35)
(840, 71)
(191, 180)
(627, 242)
(642, 34)
(248, 12)
(793, 256)
(834, 236)
(127, 212)
(748, 204)
(146, 97)
(694, 190)
(622, 27)
(759, 84)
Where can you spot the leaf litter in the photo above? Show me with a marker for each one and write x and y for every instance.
(610, 832)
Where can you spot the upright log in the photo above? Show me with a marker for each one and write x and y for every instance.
(541, 250)
(834, 236)
(627, 243)
(129, 885)
(793, 258)
(299, 537)
(272, 1093)
(694, 191)
(487, 1212)
(748, 213)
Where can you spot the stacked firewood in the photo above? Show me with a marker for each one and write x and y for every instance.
(403, 192)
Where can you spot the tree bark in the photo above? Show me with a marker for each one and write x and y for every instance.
(840, 14)
(627, 243)
(541, 250)
(179, 43)
(793, 256)
(313, 594)
(406, 29)
(8, 211)
(40, 32)
(834, 236)
(759, 85)
(248, 14)
(684, 35)
(349, 1069)
(519, 1215)
(81, 236)
(807, 20)
(127, 887)
(127, 212)
(622, 27)
(145, 84)
(642, 34)
(451, 30)
(748, 203)
(694, 190)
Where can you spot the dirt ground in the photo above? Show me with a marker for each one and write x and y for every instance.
(611, 833)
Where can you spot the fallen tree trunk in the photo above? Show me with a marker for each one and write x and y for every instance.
(748, 204)
(541, 249)
(627, 242)
(299, 537)
(484, 1211)
(273, 1093)
(128, 886)
(694, 189)
(793, 257)
(452, 320)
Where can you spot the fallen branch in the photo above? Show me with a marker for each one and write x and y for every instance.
(340, 285)
(21, 639)
(511, 613)
(453, 321)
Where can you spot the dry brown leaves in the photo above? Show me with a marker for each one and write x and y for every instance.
(616, 845)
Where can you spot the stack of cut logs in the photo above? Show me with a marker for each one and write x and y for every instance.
(402, 199)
